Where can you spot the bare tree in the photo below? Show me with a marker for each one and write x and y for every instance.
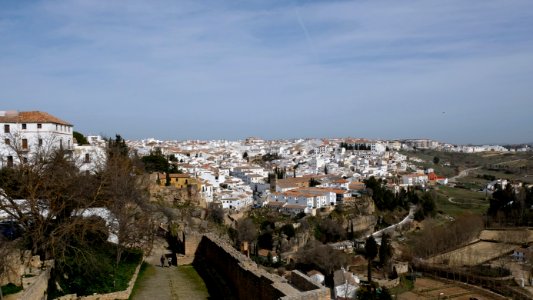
(51, 199)
(246, 230)
(322, 256)
(436, 238)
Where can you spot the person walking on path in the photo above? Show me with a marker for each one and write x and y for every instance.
(169, 262)
(162, 259)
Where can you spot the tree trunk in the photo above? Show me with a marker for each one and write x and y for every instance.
(369, 271)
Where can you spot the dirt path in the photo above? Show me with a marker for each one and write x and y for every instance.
(169, 282)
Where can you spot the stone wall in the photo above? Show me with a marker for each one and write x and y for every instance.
(244, 278)
(309, 289)
(35, 287)
(192, 240)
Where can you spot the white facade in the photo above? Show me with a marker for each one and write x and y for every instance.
(89, 158)
(415, 179)
(310, 197)
(26, 134)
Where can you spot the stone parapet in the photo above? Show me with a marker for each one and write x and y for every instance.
(247, 280)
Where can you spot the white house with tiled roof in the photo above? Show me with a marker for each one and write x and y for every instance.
(25, 134)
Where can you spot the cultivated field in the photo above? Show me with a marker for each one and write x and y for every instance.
(426, 288)
(507, 236)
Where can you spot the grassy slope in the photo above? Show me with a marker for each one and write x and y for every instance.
(462, 200)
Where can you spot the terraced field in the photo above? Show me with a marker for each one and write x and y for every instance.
(426, 288)
(473, 254)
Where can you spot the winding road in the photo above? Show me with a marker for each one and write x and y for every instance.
(463, 173)
(408, 219)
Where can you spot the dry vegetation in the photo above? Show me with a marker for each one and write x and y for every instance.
(435, 238)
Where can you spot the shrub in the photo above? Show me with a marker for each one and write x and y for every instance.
(10, 288)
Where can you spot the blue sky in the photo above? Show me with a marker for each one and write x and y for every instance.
(453, 70)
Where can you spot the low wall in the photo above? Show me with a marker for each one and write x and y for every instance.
(245, 279)
(35, 288)
(309, 289)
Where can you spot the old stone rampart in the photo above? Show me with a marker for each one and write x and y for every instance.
(246, 280)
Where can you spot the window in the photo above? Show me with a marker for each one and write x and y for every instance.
(60, 144)
(24, 144)
(25, 160)
(10, 161)
(6, 128)
(8, 142)
(56, 127)
(40, 142)
(87, 158)
(23, 126)
(39, 125)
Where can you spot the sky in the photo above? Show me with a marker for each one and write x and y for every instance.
(452, 70)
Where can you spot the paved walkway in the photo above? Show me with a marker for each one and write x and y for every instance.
(169, 282)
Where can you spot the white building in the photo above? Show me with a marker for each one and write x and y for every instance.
(26, 134)
(309, 197)
(415, 179)
(89, 158)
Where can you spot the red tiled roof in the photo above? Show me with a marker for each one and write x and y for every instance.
(31, 117)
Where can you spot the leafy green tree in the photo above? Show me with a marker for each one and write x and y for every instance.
(156, 162)
(269, 257)
(428, 204)
(313, 182)
(365, 293)
(385, 251)
(371, 251)
(288, 230)
(265, 240)
(167, 179)
(329, 231)
(80, 138)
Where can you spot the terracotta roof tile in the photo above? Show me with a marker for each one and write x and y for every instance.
(32, 117)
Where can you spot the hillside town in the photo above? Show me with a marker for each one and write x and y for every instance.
(314, 205)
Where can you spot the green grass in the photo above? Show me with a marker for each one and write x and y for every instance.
(146, 270)
(465, 201)
(190, 272)
(126, 269)
(404, 286)
(10, 289)
(101, 277)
